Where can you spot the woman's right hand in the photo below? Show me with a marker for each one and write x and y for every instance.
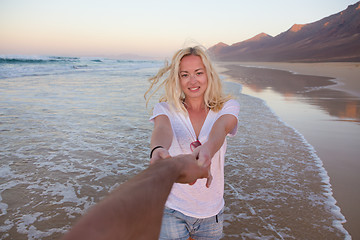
(159, 153)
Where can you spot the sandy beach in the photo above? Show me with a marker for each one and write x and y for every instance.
(328, 117)
(346, 74)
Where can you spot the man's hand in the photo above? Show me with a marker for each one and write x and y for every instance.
(134, 210)
(189, 168)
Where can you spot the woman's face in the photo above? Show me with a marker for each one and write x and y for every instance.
(193, 77)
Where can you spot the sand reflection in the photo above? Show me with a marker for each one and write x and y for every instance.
(305, 88)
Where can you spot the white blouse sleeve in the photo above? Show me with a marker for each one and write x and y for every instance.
(231, 107)
(160, 109)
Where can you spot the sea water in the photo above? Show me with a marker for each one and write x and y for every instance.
(73, 129)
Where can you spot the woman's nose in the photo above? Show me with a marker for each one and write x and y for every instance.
(193, 78)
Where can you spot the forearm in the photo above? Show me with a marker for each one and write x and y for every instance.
(162, 134)
(129, 210)
(215, 140)
(219, 132)
(161, 137)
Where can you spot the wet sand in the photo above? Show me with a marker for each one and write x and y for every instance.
(346, 74)
(328, 117)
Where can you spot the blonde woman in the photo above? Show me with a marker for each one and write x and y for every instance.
(194, 117)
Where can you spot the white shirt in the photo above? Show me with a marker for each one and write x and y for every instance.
(197, 200)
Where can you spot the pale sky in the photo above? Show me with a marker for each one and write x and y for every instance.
(146, 27)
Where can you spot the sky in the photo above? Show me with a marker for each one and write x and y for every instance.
(155, 28)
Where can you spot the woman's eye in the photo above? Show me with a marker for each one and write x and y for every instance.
(199, 73)
(184, 75)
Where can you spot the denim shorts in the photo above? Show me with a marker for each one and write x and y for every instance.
(176, 225)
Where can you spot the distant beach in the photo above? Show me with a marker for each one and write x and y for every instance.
(321, 101)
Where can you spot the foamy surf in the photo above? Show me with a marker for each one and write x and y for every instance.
(277, 186)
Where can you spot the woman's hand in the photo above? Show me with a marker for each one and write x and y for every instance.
(203, 156)
(159, 153)
(220, 129)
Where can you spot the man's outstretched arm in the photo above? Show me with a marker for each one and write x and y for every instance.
(134, 210)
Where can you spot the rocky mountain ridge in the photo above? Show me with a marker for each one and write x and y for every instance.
(333, 38)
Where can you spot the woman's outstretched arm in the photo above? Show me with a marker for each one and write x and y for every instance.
(161, 136)
(216, 139)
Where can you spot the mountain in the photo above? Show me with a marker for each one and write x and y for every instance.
(333, 38)
(218, 48)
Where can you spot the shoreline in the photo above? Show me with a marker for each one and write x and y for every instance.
(333, 137)
(345, 74)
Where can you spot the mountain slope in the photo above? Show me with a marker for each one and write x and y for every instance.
(333, 38)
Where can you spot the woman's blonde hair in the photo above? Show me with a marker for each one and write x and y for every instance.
(214, 98)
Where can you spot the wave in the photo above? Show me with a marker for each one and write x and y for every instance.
(96, 60)
(35, 60)
(136, 61)
(12, 66)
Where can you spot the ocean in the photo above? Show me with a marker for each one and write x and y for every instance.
(73, 129)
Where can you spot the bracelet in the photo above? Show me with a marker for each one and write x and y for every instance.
(154, 150)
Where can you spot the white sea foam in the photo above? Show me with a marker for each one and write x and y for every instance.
(274, 139)
(325, 179)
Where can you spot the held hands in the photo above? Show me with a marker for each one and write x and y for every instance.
(203, 156)
(189, 167)
(195, 165)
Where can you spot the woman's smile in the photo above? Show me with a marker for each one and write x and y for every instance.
(194, 89)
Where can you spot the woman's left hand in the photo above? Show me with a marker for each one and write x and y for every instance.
(203, 156)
